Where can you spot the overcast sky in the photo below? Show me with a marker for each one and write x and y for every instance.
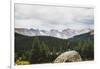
(53, 17)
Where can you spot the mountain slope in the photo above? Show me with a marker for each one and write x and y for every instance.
(47, 48)
(63, 34)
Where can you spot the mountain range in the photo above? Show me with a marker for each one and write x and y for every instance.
(63, 34)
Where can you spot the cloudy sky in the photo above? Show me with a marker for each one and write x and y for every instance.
(53, 17)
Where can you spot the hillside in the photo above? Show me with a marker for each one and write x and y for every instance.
(44, 49)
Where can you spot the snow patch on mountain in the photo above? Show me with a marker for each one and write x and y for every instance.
(64, 34)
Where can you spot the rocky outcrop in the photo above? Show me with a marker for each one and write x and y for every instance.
(69, 56)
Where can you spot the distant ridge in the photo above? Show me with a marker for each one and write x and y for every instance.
(64, 34)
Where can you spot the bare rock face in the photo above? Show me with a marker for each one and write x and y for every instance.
(69, 56)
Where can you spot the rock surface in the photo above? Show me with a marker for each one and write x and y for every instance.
(69, 56)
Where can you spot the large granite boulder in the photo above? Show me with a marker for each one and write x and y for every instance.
(69, 56)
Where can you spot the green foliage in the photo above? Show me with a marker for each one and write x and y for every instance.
(44, 49)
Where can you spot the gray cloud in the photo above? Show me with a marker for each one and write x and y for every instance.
(49, 17)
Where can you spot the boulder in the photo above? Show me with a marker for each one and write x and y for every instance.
(69, 56)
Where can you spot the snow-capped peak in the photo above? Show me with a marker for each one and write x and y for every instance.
(64, 34)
